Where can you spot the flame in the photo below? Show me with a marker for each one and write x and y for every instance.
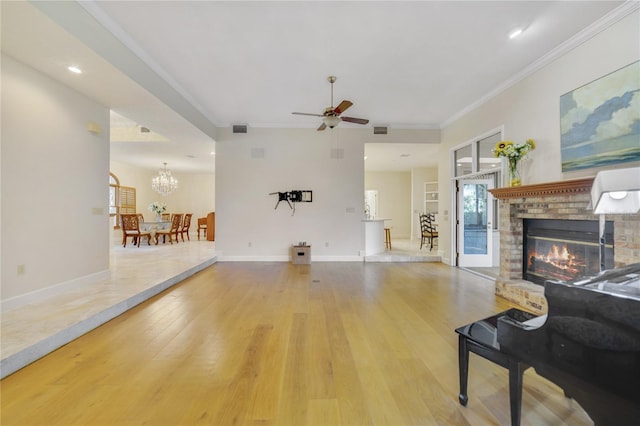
(559, 257)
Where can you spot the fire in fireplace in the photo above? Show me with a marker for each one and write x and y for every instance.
(564, 249)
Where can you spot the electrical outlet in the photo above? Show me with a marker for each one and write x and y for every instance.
(326, 244)
(249, 243)
(22, 269)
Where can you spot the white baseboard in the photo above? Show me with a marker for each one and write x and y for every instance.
(285, 258)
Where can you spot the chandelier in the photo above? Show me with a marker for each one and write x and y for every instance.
(164, 183)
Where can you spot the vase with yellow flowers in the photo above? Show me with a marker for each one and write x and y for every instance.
(514, 153)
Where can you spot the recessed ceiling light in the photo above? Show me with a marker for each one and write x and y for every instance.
(213, 153)
(515, 33)
(74, 69)
(365, 157)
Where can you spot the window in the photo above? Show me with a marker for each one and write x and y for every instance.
(487, 161)
(114, 186)
(463, 158)
(476, 158)
(122, 200)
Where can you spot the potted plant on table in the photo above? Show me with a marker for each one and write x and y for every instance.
(158, 208)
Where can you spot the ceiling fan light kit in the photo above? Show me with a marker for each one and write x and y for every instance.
(331, 116)
(331, 121)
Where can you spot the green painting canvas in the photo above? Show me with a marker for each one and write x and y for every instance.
(600, 121)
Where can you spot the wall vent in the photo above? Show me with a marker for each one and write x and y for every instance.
(380, 130)
(257, 152)
(239, 128)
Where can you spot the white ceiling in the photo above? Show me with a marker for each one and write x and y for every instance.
(416, 64)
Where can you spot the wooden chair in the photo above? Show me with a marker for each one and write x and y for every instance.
(174, 230)
(427, 230)
(140, 220)
(166, 216)
(186, 224)
(131, 228)
(202, 225)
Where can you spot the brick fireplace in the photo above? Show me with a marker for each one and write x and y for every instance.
(555, 200)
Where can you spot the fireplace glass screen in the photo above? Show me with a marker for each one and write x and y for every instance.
(564, 249)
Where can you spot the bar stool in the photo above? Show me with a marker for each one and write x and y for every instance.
(387, 238)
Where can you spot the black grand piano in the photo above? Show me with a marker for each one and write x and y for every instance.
(588, 343)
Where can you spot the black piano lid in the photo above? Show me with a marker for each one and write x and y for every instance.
(619, 282)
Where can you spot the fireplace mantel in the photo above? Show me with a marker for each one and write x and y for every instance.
(569, 200)
(565, 187)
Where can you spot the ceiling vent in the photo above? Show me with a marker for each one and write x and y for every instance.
(144, 129)
(239, 128)
(380, 130)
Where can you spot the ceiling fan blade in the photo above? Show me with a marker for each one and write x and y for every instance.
(322, 126)
(307, 113)
(342, 107)
(355, 120)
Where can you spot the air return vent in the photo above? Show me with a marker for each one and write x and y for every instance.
(239, 128)
(257, 152)
(380, 130)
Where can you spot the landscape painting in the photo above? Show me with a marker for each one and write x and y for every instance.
(600, 122)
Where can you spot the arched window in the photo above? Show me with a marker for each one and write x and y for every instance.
(114, 199)
(122, 200)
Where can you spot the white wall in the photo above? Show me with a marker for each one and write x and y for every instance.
(54, 184)
(418, 177)
(530, 109)
(394, 200)
(195, 193)
(247, 225)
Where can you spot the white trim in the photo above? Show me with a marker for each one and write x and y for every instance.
(598, 26)
(53, 290)
(286, 258)
(123, 37)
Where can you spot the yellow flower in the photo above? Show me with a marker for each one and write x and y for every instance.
(500, 147)
(531, 143)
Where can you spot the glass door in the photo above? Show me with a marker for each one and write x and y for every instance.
(475, 213)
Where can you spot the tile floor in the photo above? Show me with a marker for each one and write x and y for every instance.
(404, 250)
(137, 274)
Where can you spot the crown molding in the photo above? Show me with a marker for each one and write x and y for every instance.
(598, 26)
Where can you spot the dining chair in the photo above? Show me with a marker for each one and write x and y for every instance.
(176, 218)
(202, 225)
(186, 224)
(166, 216)
(131, 228)
(140, 220)
(427, 230)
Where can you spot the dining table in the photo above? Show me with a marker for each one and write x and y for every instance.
(153, 227)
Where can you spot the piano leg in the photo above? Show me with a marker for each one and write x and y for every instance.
(483, 344)
(516, 369)
(463, 361)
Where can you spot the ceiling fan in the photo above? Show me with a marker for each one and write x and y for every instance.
(331, 116)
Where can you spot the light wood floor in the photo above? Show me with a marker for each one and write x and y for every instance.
(280, 344)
